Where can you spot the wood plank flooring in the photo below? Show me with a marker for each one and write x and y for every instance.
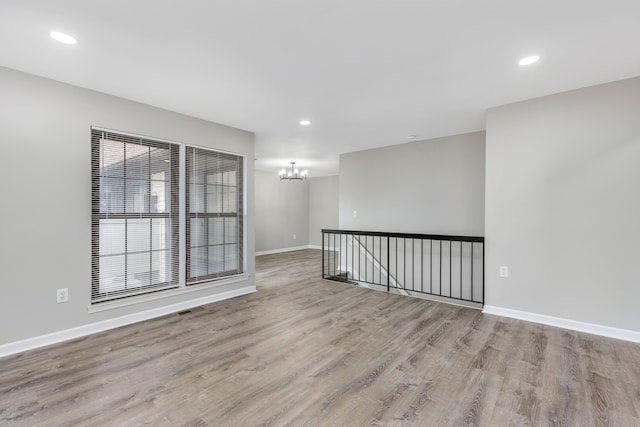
(307, 352)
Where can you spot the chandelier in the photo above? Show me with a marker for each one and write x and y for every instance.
(294, 173)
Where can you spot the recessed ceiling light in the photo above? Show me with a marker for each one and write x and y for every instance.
(62, 37)
(304, 122)
(529, 60)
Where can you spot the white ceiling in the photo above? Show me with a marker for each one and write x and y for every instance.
(367, 73)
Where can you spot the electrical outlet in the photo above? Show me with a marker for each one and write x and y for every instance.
(295, 237)
(62, 295)
(504, 271)
(355, 214)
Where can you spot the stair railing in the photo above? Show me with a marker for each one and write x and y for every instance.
(444, 266)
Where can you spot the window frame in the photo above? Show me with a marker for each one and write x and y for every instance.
(180, 233)
(191, 279)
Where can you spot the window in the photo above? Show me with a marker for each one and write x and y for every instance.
(135, 227)
(214, 214)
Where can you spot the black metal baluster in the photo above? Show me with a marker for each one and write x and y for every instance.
(373, 259)
(341, 253)
(323, 234)
(404, 263)
(471, 271)
(421, 264)
(413, 264)
(379, 256)
(336, 256)
(353, 243)
(440, 255)
(388, 262)
(450, 262)
(483, 269)
(359, 259)
(461, 269)
(396, 275)
(366, 252)
(431, 267)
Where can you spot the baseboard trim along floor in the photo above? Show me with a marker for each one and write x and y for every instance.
(574, 325)
(291, 249)
(91, 328)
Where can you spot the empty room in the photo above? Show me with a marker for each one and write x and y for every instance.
(319, 213)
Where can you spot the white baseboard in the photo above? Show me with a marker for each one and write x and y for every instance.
(92, 328)
(590, 328)
(294, 248)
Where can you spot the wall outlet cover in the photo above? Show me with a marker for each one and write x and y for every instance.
(62, 295)
(504, 271)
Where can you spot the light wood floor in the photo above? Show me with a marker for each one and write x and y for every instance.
(308, 352)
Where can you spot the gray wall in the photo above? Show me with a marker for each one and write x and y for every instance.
(563, 205)
(282, 210)
(323, 206)
(434, 186)
(45, 183)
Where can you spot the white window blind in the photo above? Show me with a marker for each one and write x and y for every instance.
(214, 206)
(135, 215)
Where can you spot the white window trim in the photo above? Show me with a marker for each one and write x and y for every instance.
(169, 293)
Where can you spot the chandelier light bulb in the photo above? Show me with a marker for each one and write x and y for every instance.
(293, 174)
